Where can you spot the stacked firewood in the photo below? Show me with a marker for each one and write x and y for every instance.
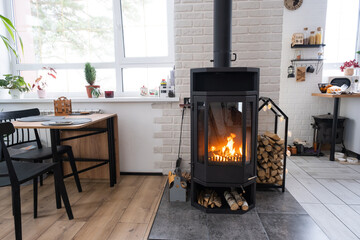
(270, 155)
(209, 198)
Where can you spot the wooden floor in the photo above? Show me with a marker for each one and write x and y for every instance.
(125, 211)
(329, 192)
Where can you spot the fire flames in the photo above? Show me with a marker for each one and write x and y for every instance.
(226, 153)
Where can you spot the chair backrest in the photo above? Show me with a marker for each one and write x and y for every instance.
(6, 129)
(20, 135)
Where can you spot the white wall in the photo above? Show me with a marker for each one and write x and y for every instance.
(256, 38)
(4, 56)
(136, 131)
(295, 97)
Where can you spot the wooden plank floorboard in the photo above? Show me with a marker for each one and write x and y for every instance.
(352, 185)
(329, 223)
(144, 201)
(347, 216)
(340, 191)
(299, 191)
(133, 231)
(319, 191)
(97, 210)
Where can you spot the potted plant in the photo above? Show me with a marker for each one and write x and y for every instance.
(41, 82)
(16, 85)
(90, 76)
(348, 67)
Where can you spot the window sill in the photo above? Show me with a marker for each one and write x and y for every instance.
(95, 100)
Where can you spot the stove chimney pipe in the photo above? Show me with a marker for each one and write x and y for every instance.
(222, 33)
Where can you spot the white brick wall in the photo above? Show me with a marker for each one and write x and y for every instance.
(295, 97)
(256, 38)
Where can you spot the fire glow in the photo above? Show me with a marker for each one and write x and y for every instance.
(227, 153)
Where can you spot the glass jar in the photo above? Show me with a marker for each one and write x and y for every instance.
(318, 36)
(312, 38)
(306, 36)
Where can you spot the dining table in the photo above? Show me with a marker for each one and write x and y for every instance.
(93, 138)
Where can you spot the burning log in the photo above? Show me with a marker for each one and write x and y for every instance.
(270, 155)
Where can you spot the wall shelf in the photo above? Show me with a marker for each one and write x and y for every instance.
(307, 60)
(309, 46)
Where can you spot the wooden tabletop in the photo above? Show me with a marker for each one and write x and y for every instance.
(94, 119)
(328, 95)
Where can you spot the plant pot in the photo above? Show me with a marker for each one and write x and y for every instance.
(41, 93)
(349, 71)
(88, 89)
(4, 94)
(16, 94)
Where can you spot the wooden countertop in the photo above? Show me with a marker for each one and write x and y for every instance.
(94, 117)
(328, 95)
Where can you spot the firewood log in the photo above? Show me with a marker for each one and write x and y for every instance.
(274, 173)
(231, 201)
(265, 141)
(261, 173)
(258, 180)
(272, 136)
(268, 148)
(267, 173)
(280, 142)
(259, 157)
(271, 180)
(261, 149)
(274, 166)
(265, 154)
(278, 177)
(264, 166)
(279, 164)
(245, 205)
(272, 142)
(280, 183)
(217, 201)
(277, 148)
(237, 197)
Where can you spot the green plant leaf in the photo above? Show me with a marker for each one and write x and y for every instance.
(11, 29)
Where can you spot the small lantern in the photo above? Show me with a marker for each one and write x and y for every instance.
(291, 71)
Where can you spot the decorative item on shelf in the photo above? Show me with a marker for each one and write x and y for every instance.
(143, 91)
(41, 82)
(312, 38)
(16, 85)
(321, 53)
(292, 4)
(298, 54)
(319, 36)
(62, 106)
(165, 89)
(356, 86)
(109, 94)
(291, 71)
(306, 36)
(153, 92)
(297, 39)
(348, 67)
(90, 76)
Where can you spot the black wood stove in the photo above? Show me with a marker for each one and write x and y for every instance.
(224, 121)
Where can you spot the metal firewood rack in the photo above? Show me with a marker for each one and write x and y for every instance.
(277, 114)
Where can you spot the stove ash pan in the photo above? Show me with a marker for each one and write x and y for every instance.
(224, 126)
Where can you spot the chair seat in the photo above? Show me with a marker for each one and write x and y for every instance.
(40, 154)
(25, 171)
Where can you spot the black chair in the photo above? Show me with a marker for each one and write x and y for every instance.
(23, 138)
(14, 173)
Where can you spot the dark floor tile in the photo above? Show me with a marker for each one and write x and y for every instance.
(291, 226)
(185, 224)
(277, 202)
(230, 226)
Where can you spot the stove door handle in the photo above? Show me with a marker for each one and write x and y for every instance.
(251, 178)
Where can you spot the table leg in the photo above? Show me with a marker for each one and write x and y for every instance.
(111, 151)
(54, 141)
(334, 128)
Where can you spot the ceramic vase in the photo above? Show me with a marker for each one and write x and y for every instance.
(349, 71)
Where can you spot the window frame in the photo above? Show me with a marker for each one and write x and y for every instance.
(120, 62)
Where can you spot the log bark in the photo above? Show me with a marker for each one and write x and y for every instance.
(237, 197)
(231, 201)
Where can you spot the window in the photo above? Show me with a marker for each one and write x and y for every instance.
(129, 42)
(341, 35)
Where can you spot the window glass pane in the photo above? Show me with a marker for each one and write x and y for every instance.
(341, 30)
(73, 80)
(65, 31)
(145, 28)
(135, 78)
